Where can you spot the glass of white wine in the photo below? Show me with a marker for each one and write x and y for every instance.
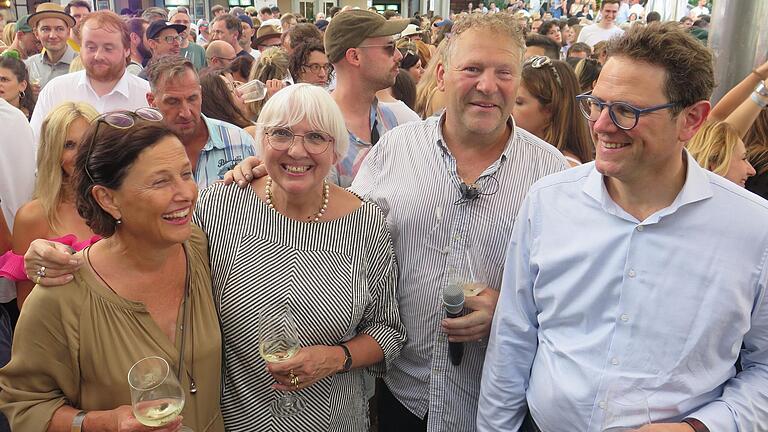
(468, 274)
(278, 342)
(156, 395)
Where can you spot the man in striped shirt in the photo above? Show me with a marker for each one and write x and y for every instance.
(451, 187)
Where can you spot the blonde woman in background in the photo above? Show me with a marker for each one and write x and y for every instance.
(52, 213)
(718, 147)
(272, 70)
(9, 32)
(430, 100)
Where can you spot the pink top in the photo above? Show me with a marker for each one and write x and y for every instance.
(12, 265)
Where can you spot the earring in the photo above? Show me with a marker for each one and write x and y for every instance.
(118, 221)
(22, 94)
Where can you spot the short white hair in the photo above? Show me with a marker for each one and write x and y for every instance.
(289, 106)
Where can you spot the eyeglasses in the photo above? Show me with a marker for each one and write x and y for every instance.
(623, 115)
(229, 59)
(171, 39)
(315, 68)
(119, 120)
(281, 139)
(388, 48)
(538, 62)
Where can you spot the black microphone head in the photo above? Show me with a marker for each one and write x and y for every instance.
(453, 297)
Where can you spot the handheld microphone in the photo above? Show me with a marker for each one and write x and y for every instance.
(453, 302)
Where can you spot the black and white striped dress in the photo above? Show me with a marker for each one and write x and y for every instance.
(339, 278)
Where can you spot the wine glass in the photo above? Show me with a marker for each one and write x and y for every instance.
(156, 395)
(34, 74)
(252, 91)
(626, 409)
(278, 342)
(468, 274)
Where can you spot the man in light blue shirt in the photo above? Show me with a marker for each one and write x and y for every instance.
(632, 284)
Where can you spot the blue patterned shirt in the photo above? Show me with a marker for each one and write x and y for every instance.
(227, 145)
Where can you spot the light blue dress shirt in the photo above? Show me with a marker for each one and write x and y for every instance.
(598, 308)
(227, 146)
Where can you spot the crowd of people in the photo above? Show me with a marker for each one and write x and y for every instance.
(558, 163)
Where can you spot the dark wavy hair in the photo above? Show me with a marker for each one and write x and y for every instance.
(404, 89)
(300, 56)
(109, 160)
(217, 100)
(20, 71)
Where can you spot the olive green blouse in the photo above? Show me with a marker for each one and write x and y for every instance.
(74, 345)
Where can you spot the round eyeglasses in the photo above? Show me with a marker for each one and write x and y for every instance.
(623, 115)
(281, 139)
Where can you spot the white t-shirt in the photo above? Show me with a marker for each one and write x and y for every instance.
(593, 34)
(130, 93)
(17, 173)
(402, 113)
(695, 12)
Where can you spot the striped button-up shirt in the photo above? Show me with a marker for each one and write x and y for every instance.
(227, 145)
(412, 176)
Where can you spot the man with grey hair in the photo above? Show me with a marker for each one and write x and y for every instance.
(213, 146)
(451, 186)
(155, 13)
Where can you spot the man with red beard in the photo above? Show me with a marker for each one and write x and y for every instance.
(361, 46)
(104, 83)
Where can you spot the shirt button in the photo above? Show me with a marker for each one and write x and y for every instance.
(624, 317)
(631, 273)
(639, 227)
(615, 361)
(601, 404)
(457, 237)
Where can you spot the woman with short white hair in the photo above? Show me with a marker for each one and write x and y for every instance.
(294, 239)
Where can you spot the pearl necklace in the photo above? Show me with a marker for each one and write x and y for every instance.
(323, 206)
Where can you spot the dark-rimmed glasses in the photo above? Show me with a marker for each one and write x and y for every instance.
(119, 120)
(538, 62)
(282, 138)
(623, 115)
(388, 48)
(170, 39)
(315, 68)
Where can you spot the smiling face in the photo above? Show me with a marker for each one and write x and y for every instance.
(480, 83)
(158, 194)
(739, 169)
(53, 34)
(160, 47)
(609, 12)
(296, 171)
(555, 35)
(654, 146)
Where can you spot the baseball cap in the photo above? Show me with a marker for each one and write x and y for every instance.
(322, 24)
(246, 19)
(50, 10)
(443, 23)
(410, 30)
(157, 26)
(350, 28)
(22, 25)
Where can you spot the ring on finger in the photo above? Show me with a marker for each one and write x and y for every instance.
(41, 271)
(295, 381)
(37, 279)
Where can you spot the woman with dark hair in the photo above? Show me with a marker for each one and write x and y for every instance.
(587, 72)
(400, 98)
(551, 29)
(309, 64)
(411, 61)
(14, 81)
(221, 102)
(546, 106)
(144, 290)
(300, 34)
(240, 68)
